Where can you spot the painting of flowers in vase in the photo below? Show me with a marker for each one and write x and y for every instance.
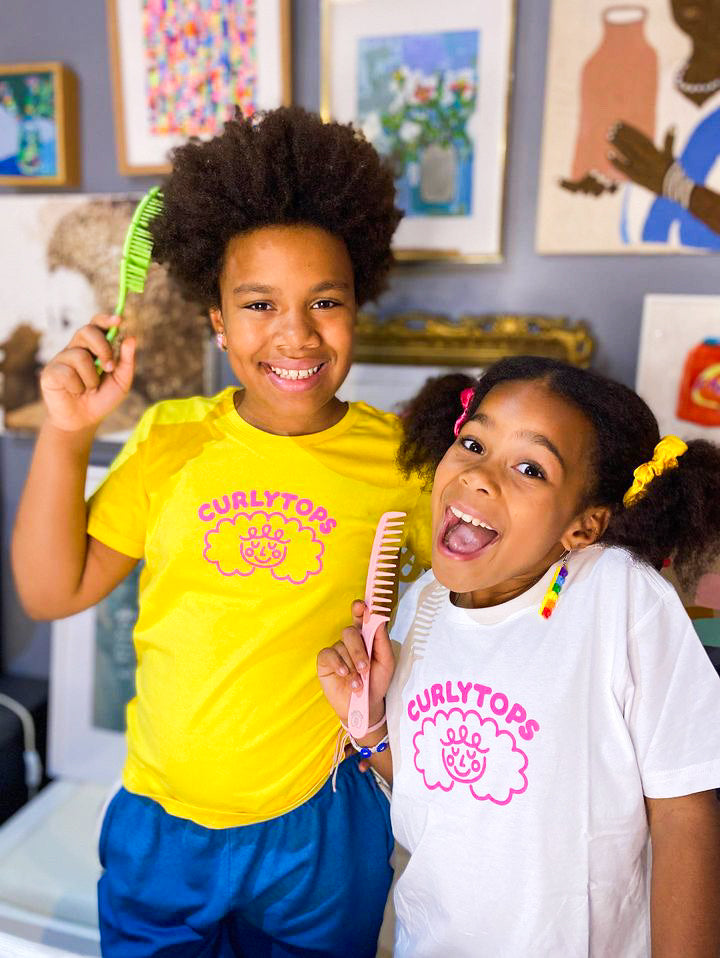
(428, 85)
(417, 97)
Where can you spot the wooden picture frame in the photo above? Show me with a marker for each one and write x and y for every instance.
(38, 125)
(158, 106)
(429, 84)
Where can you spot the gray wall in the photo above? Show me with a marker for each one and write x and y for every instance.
(607, 290)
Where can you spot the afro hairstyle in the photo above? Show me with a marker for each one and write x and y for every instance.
(278, 168)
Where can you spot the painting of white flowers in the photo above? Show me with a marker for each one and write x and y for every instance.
(416, 95)
(428, 86)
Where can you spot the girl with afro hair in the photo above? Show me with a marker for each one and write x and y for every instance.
(254, 513)
(552, 709)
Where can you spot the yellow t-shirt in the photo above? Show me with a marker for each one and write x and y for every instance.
(254, 546)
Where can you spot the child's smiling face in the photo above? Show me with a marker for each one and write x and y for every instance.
(508, 492)
(288, 312)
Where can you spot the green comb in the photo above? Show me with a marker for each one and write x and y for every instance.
(136, 254)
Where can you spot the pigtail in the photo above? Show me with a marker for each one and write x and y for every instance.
(428, 419)
(677, 517)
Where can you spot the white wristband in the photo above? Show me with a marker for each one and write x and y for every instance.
(677, 185)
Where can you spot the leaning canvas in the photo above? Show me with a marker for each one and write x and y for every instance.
(678, 372)
(59, 268)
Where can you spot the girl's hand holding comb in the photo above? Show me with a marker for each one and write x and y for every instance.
(343, 668)
(76, 394)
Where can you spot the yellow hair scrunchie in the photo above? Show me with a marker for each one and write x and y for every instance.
(664, 457)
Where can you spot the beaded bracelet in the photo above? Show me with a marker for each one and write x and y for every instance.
(367, 750)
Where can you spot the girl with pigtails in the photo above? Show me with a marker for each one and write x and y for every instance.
(553, 720)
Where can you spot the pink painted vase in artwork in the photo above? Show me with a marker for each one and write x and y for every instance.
(618, 83)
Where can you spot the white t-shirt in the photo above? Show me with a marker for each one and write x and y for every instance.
(522, 750)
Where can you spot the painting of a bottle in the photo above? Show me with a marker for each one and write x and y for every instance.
(618, 83)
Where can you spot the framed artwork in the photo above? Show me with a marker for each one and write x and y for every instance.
(92, 678)
(59, 268)
(429, 85)
(394, 358)
(678, 376)
(180, 69)
(632, 123)
(678, 373)
(38, 125)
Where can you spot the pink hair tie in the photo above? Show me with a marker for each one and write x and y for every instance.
(466, 397)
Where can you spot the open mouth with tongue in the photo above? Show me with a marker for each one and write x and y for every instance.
(463, 536)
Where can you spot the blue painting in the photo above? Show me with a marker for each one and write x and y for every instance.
(28, 130)
(417, 98)
(115, 662)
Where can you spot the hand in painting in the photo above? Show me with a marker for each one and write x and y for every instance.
(636, 156)
(76, 395)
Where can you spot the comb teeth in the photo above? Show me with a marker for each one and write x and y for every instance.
(425, 616)
(152, 207)
(140, 245)
(383, 569)
(137, 251)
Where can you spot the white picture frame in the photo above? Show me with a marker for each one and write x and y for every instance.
(78, 748)
(142, 146)
(462, 52)
(672, 326)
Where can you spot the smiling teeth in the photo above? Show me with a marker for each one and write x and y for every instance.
(294, 373)
(466, 518)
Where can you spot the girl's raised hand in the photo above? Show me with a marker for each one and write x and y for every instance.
(76, 395)
(343, 668)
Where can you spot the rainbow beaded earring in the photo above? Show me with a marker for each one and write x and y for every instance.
(551, 596)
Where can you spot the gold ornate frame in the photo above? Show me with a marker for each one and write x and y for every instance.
(425, 339)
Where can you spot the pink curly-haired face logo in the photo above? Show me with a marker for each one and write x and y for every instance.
(263, 547)
(245, 543)
(463, 748)
(463, 756)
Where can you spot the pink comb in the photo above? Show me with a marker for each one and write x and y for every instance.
(379, 591)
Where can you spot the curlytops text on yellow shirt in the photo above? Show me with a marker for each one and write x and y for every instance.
(254, 547)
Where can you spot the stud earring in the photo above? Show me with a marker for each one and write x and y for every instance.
(551, 596)
(220, 341)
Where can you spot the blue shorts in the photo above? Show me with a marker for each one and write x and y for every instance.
(311, 883)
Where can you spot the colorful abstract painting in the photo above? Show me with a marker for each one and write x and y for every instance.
(28, 132)
(180, 68)
(200, 62)
(417, 96)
